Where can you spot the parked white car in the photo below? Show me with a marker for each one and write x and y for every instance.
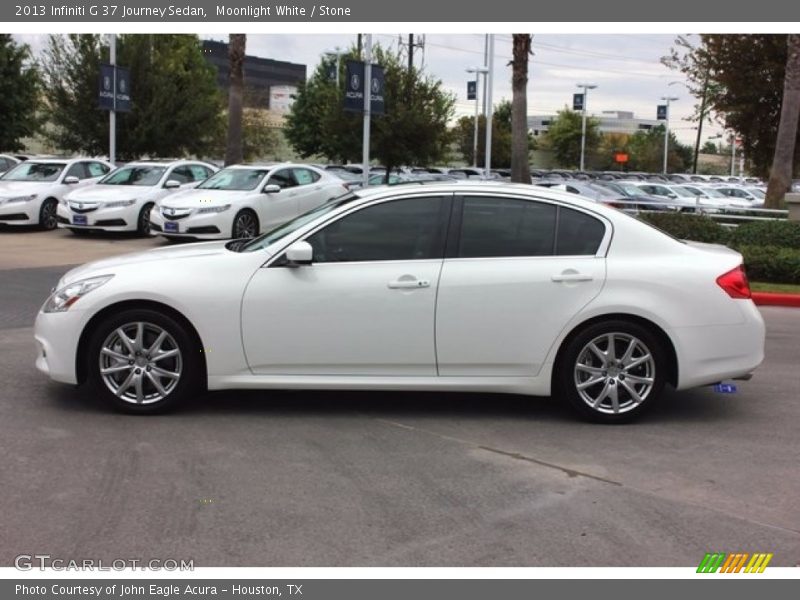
(478, 287)
(31, 191)
(244, 200)
(711, 197)
(752, 195)
(122, 200)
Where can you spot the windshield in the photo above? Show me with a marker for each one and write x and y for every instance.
(682, 192)
(234, 180)
(760, 194)
(630, 189)
(273, 236)
(35, 171)
(712, 193)
(139, 175)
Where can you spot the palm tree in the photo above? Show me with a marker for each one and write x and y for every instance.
(236, 50)
(780, 177)
(520, 168)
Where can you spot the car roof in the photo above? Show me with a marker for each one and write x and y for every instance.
(166, 162)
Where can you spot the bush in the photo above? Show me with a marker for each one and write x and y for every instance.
(784, 234)
(698, 228)
(771, 263)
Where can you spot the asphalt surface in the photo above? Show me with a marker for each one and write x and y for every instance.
(393, 479)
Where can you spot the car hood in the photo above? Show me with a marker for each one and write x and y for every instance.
(108, 193)
(14, 188)
(197, 198)
(112, 265)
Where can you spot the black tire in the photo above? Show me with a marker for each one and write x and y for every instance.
(143, 220)
(187, 363)
(612, 377)
(245, 224)
(47, 214)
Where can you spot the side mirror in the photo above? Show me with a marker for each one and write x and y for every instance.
(71, 180)
(271, 188)
(172, 184)
(299, 253)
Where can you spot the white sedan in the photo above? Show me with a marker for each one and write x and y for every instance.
(478, 287)
(243, 200)
(122, 200)
(31, 191)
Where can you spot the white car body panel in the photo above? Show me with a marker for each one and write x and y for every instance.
(339, 325)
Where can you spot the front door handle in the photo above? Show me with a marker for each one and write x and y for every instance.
(571, 277)
(407, 282)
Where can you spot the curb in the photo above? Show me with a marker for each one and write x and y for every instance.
(771, 299)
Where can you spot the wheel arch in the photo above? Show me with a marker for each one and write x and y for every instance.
(81, 367)
(655, 329)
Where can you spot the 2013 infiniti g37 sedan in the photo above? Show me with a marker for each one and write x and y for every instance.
(481, 287)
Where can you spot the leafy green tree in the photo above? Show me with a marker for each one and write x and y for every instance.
(19, 94)
(259, 137)
(463, 135)
(709, 148)
(563, 137)
(746, 75)
(646, 152)
(412, 132)
(176, 105)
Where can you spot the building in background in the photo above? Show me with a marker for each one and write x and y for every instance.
(269, 84)
(610, 121)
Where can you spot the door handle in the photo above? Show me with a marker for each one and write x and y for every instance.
(408, 284)
(571, 277)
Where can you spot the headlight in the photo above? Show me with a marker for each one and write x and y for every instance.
(63, 298)
(21, 198)
(213, 209)
(119, 203)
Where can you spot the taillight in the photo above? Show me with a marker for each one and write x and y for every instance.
(735, 283)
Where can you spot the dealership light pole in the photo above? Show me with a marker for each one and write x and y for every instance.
(489, 107)
(585, 87)
(338, 56)
(667, 99)
(367, 105)
(478, 72)
(112, 114)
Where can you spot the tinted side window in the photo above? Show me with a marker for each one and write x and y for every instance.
(506, 227)
(305, 176)
(397, 230)
(77, 170)
(199, 173)
(96, 169)
(283, 178)
(181, 174)
(578, 233)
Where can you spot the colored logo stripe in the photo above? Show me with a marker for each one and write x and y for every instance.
(734, 563)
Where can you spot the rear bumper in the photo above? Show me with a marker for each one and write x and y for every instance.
(713, 353)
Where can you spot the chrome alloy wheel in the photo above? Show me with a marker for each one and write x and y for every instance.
(140, 363)
(614, 373)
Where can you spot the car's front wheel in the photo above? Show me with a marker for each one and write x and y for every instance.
(142, 361)
(245, 225)
(47, 214)
(612, 372)
(143, 222)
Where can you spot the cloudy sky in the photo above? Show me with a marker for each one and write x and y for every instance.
(625, 67)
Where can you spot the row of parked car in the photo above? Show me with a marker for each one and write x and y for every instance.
(195, 199)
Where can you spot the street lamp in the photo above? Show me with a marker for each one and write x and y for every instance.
(585, 87)
(478, 72)
(667, 99)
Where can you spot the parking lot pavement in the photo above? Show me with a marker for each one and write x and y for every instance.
(391, 479)
(25, 247)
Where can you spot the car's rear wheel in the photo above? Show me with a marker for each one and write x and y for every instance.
(143, 222)
(612, 371)
(142, 361)
(47, 214)
(245, 225)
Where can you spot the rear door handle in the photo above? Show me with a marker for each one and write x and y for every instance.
(570, 277)
(410, 283)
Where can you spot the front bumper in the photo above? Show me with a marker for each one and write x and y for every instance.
(57, 336)
(19, 213)
(121, 218)
(211, 226)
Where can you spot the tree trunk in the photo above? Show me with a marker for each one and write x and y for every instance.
(520, 168)
(780, 178)
(236, 50)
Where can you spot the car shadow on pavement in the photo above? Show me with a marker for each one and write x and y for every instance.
(699, 406)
